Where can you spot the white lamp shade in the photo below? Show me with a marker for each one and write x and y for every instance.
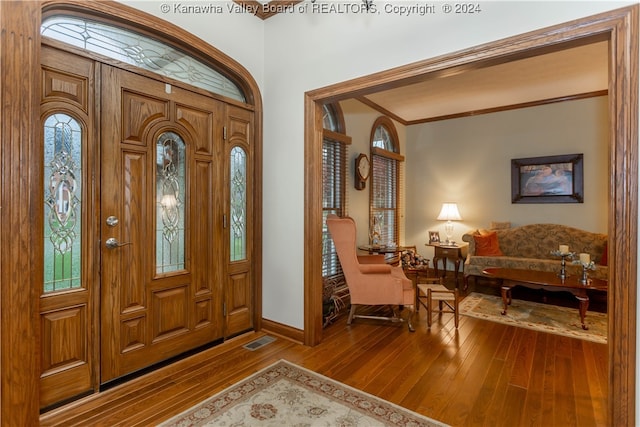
(449, 212)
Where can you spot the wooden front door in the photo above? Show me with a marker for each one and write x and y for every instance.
(161, 222)
(148, 220)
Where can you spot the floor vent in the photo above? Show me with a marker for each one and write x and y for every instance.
(260, 342)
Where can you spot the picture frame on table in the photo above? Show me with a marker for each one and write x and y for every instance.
(548, 179)
(434, 237)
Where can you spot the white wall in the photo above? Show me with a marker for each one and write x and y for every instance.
(468, 161)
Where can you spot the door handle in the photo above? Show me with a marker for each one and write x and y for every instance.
(112, 243)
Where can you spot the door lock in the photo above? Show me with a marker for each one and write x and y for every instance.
(112, 221)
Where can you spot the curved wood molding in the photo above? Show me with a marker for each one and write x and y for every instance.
(620, 28)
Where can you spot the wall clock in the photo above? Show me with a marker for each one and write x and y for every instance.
(363, 168)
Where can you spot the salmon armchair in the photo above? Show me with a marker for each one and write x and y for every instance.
(370, 280)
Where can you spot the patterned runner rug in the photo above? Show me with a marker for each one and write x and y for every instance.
(541, 317)
(285, 394)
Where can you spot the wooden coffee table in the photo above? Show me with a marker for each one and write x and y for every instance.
(549, 281)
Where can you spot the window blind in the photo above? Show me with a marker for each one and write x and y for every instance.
(334, 200)
(384, 197)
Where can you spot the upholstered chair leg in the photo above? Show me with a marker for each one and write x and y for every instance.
(410, 309)
(351, 313)
(396, 312)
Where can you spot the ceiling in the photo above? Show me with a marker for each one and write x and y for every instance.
(573, 73)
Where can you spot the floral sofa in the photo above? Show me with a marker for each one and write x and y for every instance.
(530, 247)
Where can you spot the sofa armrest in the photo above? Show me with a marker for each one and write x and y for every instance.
(468, 237)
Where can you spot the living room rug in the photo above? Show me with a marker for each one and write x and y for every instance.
(541, 317)
(285, 394)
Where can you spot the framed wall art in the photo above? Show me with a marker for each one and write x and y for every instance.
(548, 179)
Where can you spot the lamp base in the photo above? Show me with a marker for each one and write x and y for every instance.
(448, 230)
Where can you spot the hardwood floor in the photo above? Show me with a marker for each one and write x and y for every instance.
(484, 374)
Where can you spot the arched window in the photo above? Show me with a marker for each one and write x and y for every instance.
(334, 170)
(384, 209)
(139, 50)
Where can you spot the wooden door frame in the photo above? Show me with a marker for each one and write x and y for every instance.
(620, 27)
(21, 195)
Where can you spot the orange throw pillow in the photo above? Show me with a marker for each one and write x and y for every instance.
(487, 245)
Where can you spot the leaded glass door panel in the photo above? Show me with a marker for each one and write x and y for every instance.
(161, 226)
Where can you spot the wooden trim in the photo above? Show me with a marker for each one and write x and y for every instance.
(388, 154)
(623, 216)
(275, 328)
(382, 110)
(313, 284)
(335, 136)
(620, 27)
(470, 113)
(21, 194)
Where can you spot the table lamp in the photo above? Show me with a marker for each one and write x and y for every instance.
(449, 212)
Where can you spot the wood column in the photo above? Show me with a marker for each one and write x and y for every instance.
(20, 196)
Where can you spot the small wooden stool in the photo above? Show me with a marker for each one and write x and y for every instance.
(434, 290)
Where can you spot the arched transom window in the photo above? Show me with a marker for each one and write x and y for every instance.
(139, 50)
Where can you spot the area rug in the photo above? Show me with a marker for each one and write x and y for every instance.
(285, 394)
(541, 317)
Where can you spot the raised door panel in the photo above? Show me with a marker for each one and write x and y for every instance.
(134, 261)
(65, 358)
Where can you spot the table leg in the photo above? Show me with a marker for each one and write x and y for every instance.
(457, 266)
(583, 306)
(505, 291)
(435, 265)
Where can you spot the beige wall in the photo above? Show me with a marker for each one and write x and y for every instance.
(468, 161)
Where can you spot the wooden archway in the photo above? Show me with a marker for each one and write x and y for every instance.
(620, 28)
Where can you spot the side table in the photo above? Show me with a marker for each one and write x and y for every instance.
(457, 253)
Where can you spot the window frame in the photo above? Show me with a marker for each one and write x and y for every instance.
(394, 158)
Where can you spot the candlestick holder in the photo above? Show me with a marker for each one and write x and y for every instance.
(563, 263)
(586, 267)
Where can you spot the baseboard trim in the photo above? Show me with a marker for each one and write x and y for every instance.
(285, 331)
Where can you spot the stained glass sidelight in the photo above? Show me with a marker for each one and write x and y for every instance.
(62, 203)
(238, 233)
(170, 203)
(141, 51)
